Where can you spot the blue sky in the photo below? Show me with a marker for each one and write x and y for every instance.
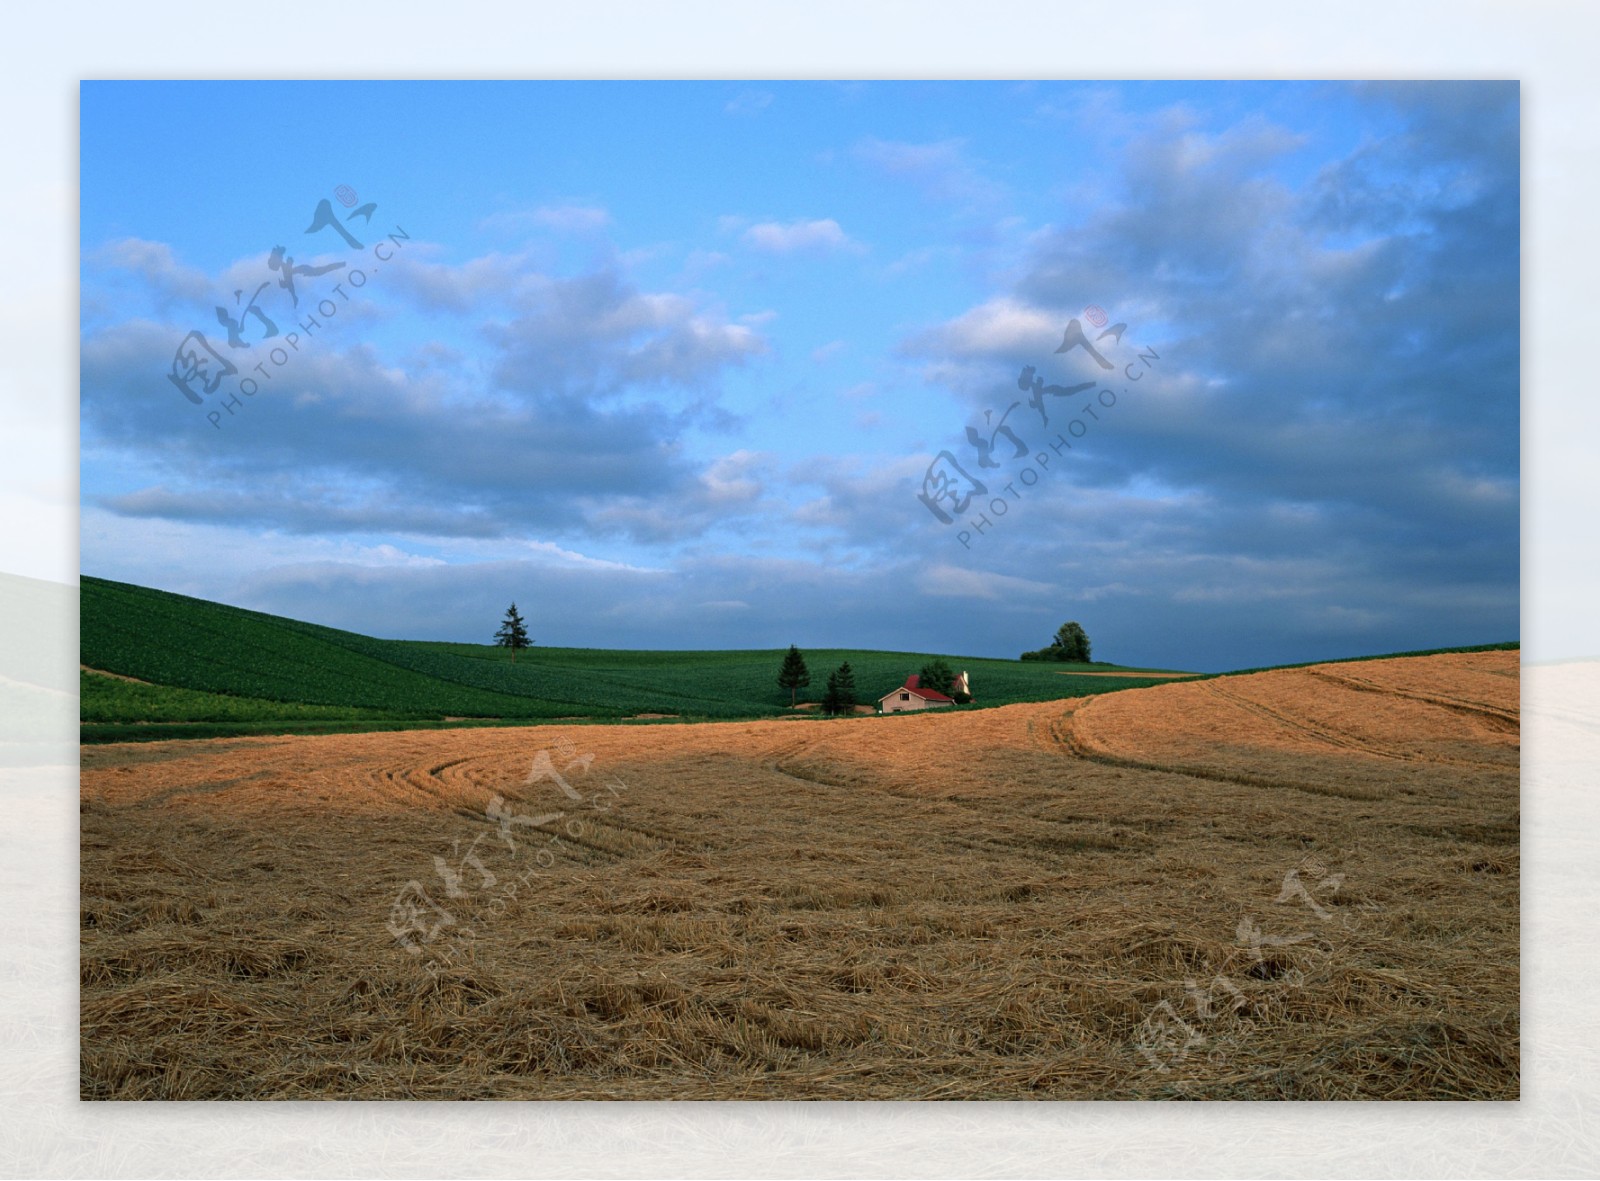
(668, 363)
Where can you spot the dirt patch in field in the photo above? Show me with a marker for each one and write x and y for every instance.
(100, 672)
(1300, 884)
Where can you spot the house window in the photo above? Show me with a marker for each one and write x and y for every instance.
(905, 697)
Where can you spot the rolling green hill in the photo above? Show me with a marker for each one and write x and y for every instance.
(202, 669)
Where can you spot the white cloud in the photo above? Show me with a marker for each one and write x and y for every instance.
(573, 558)
(729, 481)
(784, 238)
(150, 552)
(459, 287)
(1000, 326)
(575, 218)
(597, 332)
(155, 263)
(954, 582)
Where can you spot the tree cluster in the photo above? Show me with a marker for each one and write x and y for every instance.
(941, 678)
(1071, 643)
(840, 695)
(937, 675)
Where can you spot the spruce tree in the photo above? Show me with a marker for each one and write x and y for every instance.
(843, 682)
(840, 697)
(793, 675)
(513, 633)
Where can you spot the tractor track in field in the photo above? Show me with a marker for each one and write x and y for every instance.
(1510, 719)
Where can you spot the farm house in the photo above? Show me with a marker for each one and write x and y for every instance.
(912, 696)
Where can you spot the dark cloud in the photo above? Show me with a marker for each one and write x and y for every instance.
(565, 435)
(595, 335)
(726, 601)
(1336, 408)
(1136, 577)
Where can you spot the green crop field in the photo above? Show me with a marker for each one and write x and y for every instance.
(210, 670)
(205, 670)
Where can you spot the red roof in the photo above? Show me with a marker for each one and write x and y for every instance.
(926, 694)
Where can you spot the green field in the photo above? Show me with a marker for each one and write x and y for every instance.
(215, 671)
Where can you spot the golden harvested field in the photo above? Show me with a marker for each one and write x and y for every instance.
(1299, 884)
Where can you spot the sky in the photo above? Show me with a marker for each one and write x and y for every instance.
(726, 364)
